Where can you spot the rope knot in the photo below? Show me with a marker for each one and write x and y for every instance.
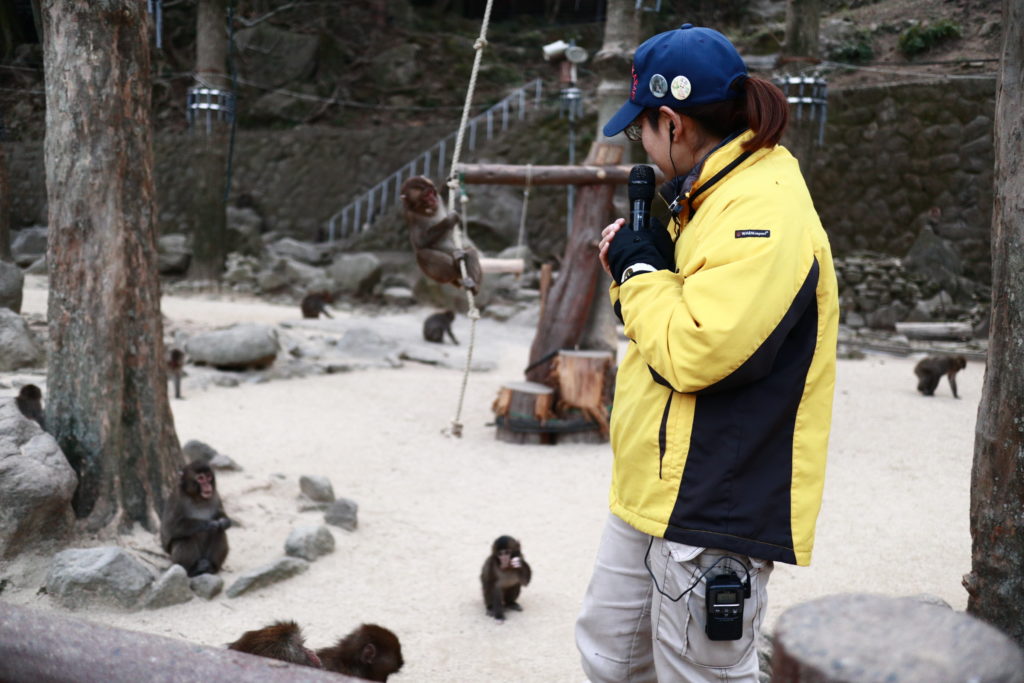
(480, 44)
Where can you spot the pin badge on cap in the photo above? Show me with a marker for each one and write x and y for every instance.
(680, 87)
(658, 85)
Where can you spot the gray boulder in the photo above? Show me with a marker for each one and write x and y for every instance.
(11, 282)
(38, 267)
(36, 483)
(317, 488)
(28, 245)
(198, 450)
(19, 347)
(267, 575)
(238, 347)
(355, 274)
(106, 576)
(206, 586)
(398, 296)
(306, 252)
(343, 513)
(309, 542)
(241, 269)
(172, 588)
(173, 254)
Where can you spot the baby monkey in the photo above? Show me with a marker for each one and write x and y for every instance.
(504, 573)
(437, 325)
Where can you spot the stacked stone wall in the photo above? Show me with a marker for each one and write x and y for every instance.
(899, 157)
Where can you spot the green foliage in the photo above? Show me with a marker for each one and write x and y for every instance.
(857, 50)
(923, 37)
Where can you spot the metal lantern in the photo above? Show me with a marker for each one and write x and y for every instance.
(809, 97)
(209, 105)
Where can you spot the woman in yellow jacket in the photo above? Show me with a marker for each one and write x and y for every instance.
(723, 400)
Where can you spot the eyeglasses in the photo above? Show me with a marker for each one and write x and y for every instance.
(634, 131)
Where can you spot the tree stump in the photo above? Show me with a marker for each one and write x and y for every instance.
(581, 379)
(521, 410)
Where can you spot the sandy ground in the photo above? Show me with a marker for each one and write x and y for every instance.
(894, 519)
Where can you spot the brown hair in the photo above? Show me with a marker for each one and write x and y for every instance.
(763, 109)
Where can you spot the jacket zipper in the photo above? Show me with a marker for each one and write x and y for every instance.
(663, 433)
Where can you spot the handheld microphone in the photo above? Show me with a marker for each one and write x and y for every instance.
(641, 192)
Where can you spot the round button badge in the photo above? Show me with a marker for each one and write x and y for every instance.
(658, 85)
(680, 87)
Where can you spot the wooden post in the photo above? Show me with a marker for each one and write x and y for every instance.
(521, 410)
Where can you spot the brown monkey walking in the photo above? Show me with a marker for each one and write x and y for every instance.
(176, 367)
(437, 324)
(504, 572)
(371, 652)
(281, 640)
(30, 403)
(193, 523)
(315, 303)
(931, 369)
(430, 231)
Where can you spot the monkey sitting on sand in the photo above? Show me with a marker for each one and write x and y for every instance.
(430, 231)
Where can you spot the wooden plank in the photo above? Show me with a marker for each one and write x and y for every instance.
(504, 174)
(941, 330)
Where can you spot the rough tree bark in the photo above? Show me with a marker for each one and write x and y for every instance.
(802, 28)
(210, 145)
(996, 581)
(107, 400)
(5, 210)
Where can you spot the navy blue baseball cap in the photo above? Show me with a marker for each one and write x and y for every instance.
(682, 68)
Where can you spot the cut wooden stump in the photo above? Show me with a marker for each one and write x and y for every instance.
(521, 410)
(580, 376)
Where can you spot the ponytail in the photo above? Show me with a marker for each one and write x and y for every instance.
(767, 113)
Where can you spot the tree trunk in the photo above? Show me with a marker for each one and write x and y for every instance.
(568, 305)
(210, 145)
(5, 209)
(802, 28)
(996, 581)
(107, 405)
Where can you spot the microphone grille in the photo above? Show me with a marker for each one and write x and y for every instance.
(641, 182)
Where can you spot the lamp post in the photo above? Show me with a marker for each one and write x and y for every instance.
(567, 56)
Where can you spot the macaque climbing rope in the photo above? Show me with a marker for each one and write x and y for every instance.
(454, 187)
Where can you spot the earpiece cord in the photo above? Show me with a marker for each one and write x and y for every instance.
(647, 564)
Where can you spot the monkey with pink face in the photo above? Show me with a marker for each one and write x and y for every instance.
(430, 231)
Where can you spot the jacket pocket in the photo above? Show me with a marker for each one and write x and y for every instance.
(663, 432)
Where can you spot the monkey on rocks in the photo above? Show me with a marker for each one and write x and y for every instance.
(504, 573)
(30, 403)
(931, 369)
(281, 640)
(176, 368)
(437, 324)
(315, 303)
(192, 526)
(371, 652)
(430, 231)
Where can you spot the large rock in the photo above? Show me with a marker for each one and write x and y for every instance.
(343, 513)
(36, 484)
(28, 245)
(206, 586)
(11, 282)
(19, 347)
(274, 57)
(355, 274)
(173, 254)
(316, 488)
(106, 576)
(242, 346)
(859, 637)
(172, 588)
(267, 575)
(306, 252)
(309, 542)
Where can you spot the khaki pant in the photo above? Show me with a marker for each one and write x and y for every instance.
(628, 632)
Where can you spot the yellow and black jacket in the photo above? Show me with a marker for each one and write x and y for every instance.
(723, 401)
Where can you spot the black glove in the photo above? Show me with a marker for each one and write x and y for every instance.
(653, 247)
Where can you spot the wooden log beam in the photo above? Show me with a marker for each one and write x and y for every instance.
(54, 648)
(504, 174)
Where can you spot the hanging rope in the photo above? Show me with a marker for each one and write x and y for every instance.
(454, 189)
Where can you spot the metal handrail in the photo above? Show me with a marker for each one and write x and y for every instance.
(358, 215)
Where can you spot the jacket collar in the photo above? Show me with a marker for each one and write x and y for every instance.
(690, 190)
